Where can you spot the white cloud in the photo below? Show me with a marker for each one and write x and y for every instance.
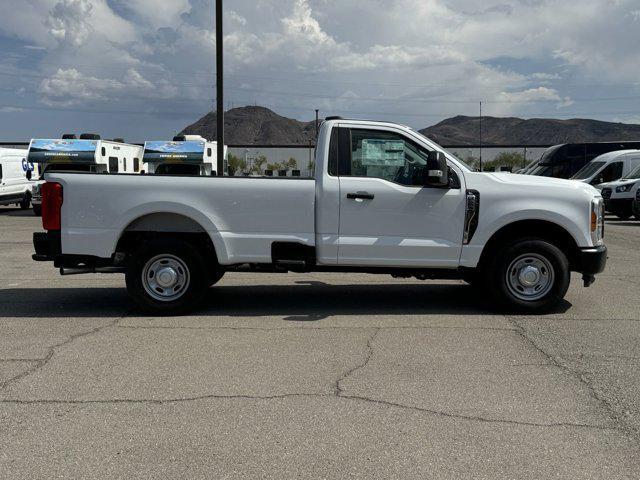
(440, 57)
(533, 95)
(69, 21)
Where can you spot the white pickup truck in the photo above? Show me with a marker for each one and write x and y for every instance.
(385, 199)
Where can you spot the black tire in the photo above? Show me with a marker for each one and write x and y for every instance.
(623, 215)
(503, 277)
(184, 260)
(26, 201)
(37, 210)
(215, 276)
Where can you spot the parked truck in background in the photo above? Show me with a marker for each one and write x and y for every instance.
(619, 195)
(385, 199)
(565, 160)
(88, 154)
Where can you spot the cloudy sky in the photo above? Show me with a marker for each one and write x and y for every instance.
(145, 68)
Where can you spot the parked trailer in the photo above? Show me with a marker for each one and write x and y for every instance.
(184, 155)
(88, 154)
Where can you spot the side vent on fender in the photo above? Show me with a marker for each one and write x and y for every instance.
(472, 212)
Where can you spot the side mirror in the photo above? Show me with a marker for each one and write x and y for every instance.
(437, 170)
(29, 174)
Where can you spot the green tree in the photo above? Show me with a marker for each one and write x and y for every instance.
(514, 160)
(235, 164)
(257, 165)
(291, 164)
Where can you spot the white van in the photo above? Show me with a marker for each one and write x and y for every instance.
(15, 178)
(184, 155)
(619, 195)
(88, 154)
(608, 167)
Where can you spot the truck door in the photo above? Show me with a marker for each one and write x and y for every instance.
(387, 216)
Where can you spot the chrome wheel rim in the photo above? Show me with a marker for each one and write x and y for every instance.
(530, 277)
(165, 278)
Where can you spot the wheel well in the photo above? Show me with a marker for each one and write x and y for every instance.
(168, 226)
(549, 231)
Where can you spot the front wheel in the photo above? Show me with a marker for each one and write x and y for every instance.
(529, 275)
(37, 210)
(167, 277)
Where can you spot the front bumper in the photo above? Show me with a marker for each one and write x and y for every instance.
(614, 205)
(592, 260)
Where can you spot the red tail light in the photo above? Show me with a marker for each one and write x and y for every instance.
(51, 205)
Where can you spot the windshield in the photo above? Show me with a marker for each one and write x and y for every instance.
(548, 153)
(634, 174)
(588, 170)
(530, 167)
(541, 170)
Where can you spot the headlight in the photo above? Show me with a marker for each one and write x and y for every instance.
(624, 188)
(597, 221)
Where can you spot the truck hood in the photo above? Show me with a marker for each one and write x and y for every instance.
(541, 182)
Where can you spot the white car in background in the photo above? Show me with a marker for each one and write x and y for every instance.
(608, 167)
(620, 194)
(15, 178)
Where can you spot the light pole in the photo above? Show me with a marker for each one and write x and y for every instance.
(480, 136)
(219, 89)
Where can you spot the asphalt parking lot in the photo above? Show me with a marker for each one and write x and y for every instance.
(318, 376)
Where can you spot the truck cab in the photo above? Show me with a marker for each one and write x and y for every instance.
(385, 199)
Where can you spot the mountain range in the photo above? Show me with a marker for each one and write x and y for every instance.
(254, 125)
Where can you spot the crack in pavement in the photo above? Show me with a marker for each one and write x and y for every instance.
(341, 396)
(338, 391)
(39, 363)
(612, 413)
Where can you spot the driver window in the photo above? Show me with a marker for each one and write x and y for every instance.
(387, 155)
(612, 172)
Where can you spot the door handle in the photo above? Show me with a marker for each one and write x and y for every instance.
(360, 195)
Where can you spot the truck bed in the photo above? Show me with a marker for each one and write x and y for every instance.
(243, 215)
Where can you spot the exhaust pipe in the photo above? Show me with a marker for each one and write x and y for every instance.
(79, 271)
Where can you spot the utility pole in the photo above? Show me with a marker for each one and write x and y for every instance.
(219, 89)
(317, 125)
(480, 136)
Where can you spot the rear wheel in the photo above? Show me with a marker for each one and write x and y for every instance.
(215, 277)
(167, 277)
(529, 275)
(37, 210)
(26, 201)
